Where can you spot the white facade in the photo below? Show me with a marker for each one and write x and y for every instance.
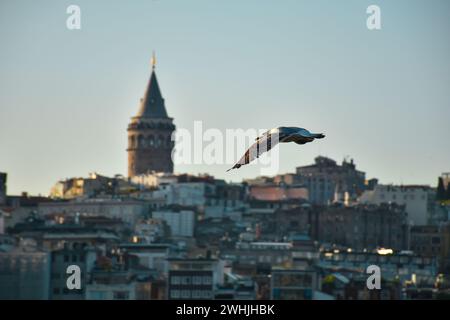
(415, 199)
(148, 231)
(185, 194)
(148, 180)
(126, 210)
(181, 223)
(152, 256)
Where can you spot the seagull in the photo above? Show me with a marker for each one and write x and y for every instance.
(271, 138)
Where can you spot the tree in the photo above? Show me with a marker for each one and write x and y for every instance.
(441, 194)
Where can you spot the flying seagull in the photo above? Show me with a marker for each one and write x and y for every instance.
(271, 138)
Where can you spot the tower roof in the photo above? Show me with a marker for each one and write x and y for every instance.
(152, 104)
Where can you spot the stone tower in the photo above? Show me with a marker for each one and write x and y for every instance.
(149, 133)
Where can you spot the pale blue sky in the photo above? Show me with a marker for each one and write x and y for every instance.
(381, 97)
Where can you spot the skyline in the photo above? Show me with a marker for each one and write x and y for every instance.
(84, 86)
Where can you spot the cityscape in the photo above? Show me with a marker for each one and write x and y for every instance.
(309, 234)
(313, 223)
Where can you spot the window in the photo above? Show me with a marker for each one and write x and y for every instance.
(66, 258)
(186, 280)
(175, 280)
(185, 294)
(207, 280)
(140, 141)
(435, 240)
(151, 141)
(206, 294)
(175, 294)
(197, 280)
(196, 294)
(159, 141)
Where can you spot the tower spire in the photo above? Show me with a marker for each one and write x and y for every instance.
(152, 104)
(153, 60)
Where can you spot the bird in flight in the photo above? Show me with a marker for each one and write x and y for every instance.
(271, 138)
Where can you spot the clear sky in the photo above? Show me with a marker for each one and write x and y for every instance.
(381, 97)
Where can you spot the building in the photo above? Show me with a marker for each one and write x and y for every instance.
(327, 181)
(225, 200)
(291, 284)
(438, 212)
(128, 210)
(181, 222)
(92, 186)
(151, 256)
(213, 197)
(443, 189)
(236, 287)
(363, 227)
(416, 199)
(432, 241)
(153, 179)
(57, 236)
(3, 177)
(24, 274)
(258, 256)
(111, 285)
(185, 194)
(401, 266)
(2, 222)
(446, 179)
(278, 192)
(150, 133)
(426, 240)
(299, 220)
(78, 254)
(194, 278)
(149, 231)
(18, 208)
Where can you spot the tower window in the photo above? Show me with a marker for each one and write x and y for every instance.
(151, 141)
(160, 141)
(140, 141)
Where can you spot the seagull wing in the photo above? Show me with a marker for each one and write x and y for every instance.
(263, 144)
(282, 132)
